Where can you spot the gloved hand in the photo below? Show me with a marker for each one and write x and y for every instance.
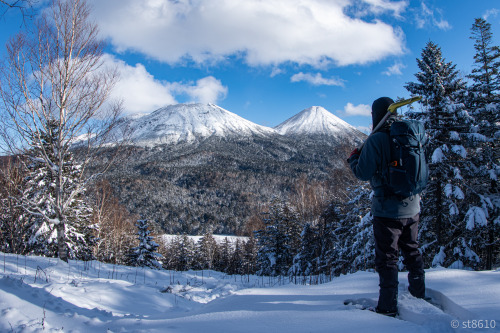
(355, 152)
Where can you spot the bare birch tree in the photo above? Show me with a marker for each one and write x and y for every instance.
(24, 6)
(55, 73)
(116, 233)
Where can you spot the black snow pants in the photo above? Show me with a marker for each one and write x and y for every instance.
(392, 235)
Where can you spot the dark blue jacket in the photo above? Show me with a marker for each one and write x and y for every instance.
(370, 165)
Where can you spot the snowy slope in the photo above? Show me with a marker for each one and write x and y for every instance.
(47, 295)
(316, 120)
(192, 122)
(189, 122)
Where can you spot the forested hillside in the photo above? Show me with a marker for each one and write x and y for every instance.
(218, 184)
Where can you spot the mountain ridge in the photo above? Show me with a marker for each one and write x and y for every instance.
(193, 122)
(189, 122)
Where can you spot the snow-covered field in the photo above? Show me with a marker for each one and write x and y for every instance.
(166, 238)
(48, 295)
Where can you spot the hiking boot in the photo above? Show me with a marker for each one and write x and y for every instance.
(392, 314)
(416, 285)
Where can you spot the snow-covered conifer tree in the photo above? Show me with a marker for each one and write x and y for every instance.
(280, 239)
(182, 253)
(145, 255)
(443, 231)
(250, 255)
(485, 73)
(236, 264)
(353, 234)
(206, 252)
(484, 101)
(305, 262)
(43, 188)
(363, 245)
(223, 260)
(327, 238)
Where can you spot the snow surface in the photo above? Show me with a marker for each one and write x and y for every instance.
(188, 122)
(220, 239)
(41, 294)
(316, 120)
(191, 122)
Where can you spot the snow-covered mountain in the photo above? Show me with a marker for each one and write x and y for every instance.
(316, 120)
(189, 122)
(188, 154)
(193, 122)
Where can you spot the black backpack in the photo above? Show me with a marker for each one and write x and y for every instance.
(407, 172)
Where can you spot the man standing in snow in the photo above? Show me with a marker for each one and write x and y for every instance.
(395, 219)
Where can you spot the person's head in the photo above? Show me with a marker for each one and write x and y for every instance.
(379, 109)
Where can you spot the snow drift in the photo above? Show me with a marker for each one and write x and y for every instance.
(47, 295)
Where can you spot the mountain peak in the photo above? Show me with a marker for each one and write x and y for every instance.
(193, 122)
(316, 120)
(189, 122)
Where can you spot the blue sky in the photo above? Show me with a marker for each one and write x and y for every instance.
(268, 60)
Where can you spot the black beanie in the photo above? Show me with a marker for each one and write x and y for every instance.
(379, 109)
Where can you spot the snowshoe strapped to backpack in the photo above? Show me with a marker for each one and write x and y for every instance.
(407, 173)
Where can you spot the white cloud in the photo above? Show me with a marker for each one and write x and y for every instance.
(206, 90)
(313, 32)
(357, 110)
(429, 16)
(395, 69)
(491, 12)
(380, 6)
(276, 71)
(369, 7)
(317, 79)
(365, 129)
(142, 93)
(138, 89)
